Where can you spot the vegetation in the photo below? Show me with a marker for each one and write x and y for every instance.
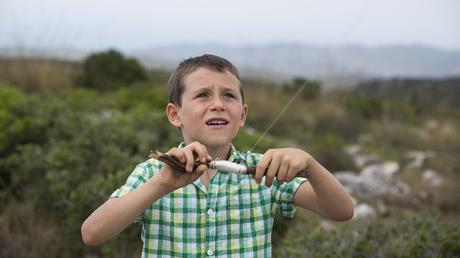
(63, 150)
(110, 70)
(309, 90)
(397, 233)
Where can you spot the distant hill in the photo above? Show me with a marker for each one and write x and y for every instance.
(344, 65)
(421, 93)
(288, 60)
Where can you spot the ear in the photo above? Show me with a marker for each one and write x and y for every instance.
(244, 114)
(172, 111)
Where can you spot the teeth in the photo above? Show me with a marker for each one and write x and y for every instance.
(216, 122)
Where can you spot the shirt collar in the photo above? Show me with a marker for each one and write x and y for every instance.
(235, 155)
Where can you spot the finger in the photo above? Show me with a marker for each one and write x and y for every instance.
(200, 169)
(206, 154)
(201, 152)
(262, 166)
(282, 172)
(292, 172)
(176, 153)
(271, 171)
(189, 159)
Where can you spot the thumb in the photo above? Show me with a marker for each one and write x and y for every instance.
(201, 168)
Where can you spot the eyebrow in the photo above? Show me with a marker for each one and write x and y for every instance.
(208, 88)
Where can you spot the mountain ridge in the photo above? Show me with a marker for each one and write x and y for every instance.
(280, 61)
(290, 60)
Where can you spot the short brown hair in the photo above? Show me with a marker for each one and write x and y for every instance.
(212, 62)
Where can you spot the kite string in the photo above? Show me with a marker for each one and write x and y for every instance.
(299, 90)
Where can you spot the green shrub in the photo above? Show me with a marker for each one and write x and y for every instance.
(328, 149)
(110, 70)
(399, 111)
(69, 154)
(62, 154)
(398, 234)
(347, 126)
(310, 89)
(10, 99)
(366, 107)
(155, 97)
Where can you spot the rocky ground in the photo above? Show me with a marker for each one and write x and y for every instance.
(379, 179)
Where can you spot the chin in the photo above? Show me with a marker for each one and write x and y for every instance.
(214, 140)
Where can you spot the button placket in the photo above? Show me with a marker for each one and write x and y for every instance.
(210, 217)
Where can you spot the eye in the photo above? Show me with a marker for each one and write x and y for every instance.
(202, 95)
(229, 95)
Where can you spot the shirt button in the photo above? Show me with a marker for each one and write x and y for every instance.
(210, 252)
(210, 212)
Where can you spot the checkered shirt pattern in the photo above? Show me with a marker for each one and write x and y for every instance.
(233, 217)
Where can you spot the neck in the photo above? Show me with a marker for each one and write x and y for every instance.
(219, 152)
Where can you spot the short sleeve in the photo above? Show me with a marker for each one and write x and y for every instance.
(139, 176)
(283, 196)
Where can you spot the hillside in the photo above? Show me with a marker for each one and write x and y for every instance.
(287, 60)
(66, 146)
(338, 65)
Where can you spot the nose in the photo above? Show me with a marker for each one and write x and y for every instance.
(217, 104)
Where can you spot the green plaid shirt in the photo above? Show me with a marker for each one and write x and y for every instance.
(233, 217)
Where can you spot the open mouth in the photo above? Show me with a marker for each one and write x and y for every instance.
(217, 122)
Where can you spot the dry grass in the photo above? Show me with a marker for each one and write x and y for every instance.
(38, 75)
(23, 233)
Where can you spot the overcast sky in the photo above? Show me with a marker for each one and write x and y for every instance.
(138, 24)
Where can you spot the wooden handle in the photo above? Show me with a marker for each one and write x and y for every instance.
(181, 167)
(174, 163)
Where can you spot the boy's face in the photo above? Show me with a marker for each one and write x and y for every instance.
(212, 110)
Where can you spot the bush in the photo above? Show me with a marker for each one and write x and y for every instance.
(311, 89)
(155, 97)
(110, 70)
(365, 107)
(403, 234)
(347, 126)
(65, 159)
(328, 149)
(61, 155)
(10, 99)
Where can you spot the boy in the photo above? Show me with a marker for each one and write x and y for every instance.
(201, 212)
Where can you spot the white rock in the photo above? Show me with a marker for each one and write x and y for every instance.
(432, 177)
(328, 225)
(417, 158)
(390, 167)
(364, 211)
(362, 160)
(374, 170)
(373, 181)
(352, 149)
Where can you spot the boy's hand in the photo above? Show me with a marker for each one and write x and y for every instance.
(173, 179)
(284, 164)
